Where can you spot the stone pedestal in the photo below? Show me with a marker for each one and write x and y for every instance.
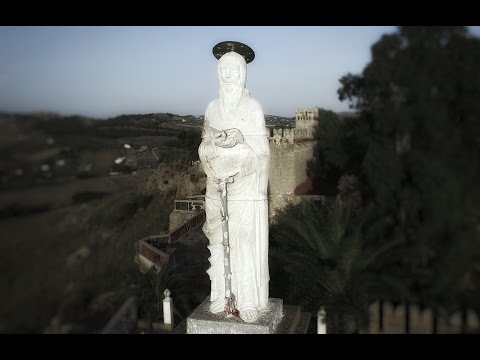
(202, 321)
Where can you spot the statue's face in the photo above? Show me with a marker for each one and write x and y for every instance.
(230, 72)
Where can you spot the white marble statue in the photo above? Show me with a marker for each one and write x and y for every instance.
(235, 144)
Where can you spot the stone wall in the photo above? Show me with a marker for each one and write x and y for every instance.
(303, 153)
(290, 150)
(306, 118)
(281, 177)
(303, 134)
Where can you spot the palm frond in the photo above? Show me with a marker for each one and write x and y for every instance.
(323, 251)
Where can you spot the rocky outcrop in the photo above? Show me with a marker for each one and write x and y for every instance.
(182, 180)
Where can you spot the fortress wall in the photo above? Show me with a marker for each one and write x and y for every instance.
(290, 150)
(303, 153)
(281, 177)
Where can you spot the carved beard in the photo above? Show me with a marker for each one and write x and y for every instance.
(230, 94)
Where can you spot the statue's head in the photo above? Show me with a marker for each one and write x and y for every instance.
(233, 58)
(232, 69)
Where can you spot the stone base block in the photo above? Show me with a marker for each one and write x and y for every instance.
(202, 321)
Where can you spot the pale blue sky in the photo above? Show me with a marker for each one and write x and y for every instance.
(104, 71)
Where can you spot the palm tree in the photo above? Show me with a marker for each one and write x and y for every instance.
(152, 287)
(186, 279)
(329, 263)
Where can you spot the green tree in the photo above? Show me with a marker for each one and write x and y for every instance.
(418, 160)
(190, 140)
(336, 147)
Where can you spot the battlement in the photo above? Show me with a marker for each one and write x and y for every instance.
(304, 114)
(304, 134)
(306, 118)
(282, 136)
(285, 136)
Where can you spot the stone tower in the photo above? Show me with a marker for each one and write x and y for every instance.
(290, 150)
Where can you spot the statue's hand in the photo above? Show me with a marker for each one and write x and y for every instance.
(228, 138)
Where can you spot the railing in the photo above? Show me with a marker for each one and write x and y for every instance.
(188, 227)
(149, 247)
(405, 318)
(189, 205)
